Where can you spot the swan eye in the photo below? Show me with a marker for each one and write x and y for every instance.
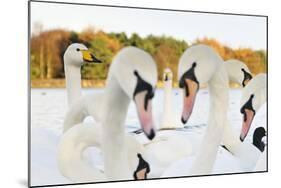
(77, 49)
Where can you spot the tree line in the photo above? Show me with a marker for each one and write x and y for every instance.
(47, 49)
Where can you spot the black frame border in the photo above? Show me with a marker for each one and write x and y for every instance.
(143, 8)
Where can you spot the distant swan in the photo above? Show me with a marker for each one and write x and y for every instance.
(168, 120)
(74, 57)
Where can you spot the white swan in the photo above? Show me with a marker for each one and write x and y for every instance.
(253, 97)
(74, 57)
(244, 155)
(200, 64)
(168, 121)
(132, 75)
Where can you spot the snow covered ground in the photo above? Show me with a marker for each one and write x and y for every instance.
(48, 107)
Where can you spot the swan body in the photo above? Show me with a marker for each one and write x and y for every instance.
(262, 162)
(88, 105)
(75, 141)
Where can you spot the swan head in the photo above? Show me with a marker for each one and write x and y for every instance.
(78, 54)
(136, 73)
(168, 75)
(197, 66)
(238, 72)
(253, 97)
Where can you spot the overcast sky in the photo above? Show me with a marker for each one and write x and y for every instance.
(232, 30)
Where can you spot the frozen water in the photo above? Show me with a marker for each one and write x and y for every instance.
(48, 107)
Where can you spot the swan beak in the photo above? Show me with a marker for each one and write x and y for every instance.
(145, 114)
(191, 89)
(247, 121)
(89, 57)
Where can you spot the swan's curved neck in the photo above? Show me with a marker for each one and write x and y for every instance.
(113, 139)
(167, 122)
(206, 156)
(73, 83)
(70, 159)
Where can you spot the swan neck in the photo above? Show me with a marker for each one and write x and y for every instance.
(167, 121)
(73, 83)
(218, 89)
(71, 162)
(113, 120)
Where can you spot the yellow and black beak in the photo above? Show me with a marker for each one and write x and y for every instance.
(89, 57)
